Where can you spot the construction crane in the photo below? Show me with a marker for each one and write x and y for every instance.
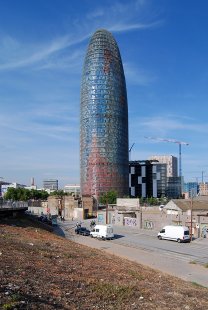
(130, 151)
(172, 141)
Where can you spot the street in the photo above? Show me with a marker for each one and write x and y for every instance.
(194, 252)
(185, 260)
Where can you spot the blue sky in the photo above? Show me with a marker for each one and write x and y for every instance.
(164, 50)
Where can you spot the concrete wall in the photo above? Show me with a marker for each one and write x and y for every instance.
(70, 204)
(127, 202)
(118, 218)
(153, 218)
(66, 207)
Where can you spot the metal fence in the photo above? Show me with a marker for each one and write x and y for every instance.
(13, 204)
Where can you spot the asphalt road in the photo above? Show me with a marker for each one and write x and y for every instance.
(183, 260)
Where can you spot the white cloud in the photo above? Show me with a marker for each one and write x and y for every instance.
(120, 27)
(165, 124)
(34, 54)
(116, 18)
(137, 76)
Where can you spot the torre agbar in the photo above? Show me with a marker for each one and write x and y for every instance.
(103, 119)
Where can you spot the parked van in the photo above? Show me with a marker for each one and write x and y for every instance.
(175, 233)
(102, 231)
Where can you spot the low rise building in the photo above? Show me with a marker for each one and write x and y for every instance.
(185, 212)
(203, 189)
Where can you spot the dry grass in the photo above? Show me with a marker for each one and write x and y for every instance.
(39, 270)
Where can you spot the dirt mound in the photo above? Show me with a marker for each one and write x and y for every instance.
(39, 270)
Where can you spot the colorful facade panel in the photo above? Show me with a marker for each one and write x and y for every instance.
(103, 119)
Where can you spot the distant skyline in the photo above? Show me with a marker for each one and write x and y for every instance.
(164, 49)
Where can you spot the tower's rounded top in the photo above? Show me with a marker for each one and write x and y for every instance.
(100, 32)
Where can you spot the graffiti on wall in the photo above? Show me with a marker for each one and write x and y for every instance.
(129, 221)
(204, 232)
(100, 218)
(148, 225)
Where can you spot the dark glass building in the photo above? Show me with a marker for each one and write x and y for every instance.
(147, 178)
(103, 119)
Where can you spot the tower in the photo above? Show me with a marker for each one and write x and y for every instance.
(103, 119)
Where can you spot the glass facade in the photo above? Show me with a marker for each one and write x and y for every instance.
(103, 119)
(147, 179)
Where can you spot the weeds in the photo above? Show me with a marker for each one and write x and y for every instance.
(113, 291)
(136, 275)
(8, 306)
(197, 284)
(193, 262)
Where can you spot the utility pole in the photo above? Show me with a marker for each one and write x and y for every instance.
(106, 211)
(191, 213)
(140, 217)
(191, 216)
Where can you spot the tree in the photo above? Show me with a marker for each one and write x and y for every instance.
(59, 193)
(23, 194)
(108, 198)
(11, 194)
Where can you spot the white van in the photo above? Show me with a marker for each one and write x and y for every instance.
(175, 233)
(102, 231)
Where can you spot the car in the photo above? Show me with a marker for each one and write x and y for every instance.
(82, 231)
(45, 219)
(175, 233)
(102, 232)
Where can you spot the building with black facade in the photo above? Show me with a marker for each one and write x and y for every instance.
(147, 178)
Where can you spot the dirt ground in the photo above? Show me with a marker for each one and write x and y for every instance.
(39, 270)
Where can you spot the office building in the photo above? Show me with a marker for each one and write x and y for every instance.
(50, 184)
(147, 179)
(170, 161)
(103, 119)
(191, 189)
(72, 189)
(174, 187)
